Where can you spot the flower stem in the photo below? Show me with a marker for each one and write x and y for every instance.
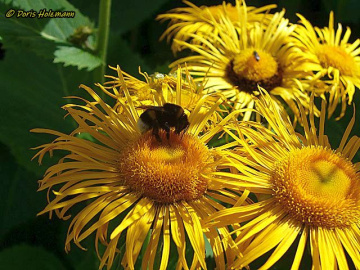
(103, 38)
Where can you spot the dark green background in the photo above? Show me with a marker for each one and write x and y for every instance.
(32, 90)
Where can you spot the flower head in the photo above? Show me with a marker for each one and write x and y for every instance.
(236, 58)
(200, 20)
(307, 191)
(136, 184)
(333, 60)
(162, 88)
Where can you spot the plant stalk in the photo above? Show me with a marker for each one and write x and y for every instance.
(103, 38)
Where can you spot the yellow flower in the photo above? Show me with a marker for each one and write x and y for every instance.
(200, 20)
(333, 60)
(238, 59)
(307, 191)
(161, 88)
(137, 187)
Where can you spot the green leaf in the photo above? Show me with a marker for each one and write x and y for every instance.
(72, 56)
(32, 91)
(25, 34)
(17, 186)
(83, 260)
(163, 68)
(37, 34)
(79, 259)
(89, 260)
(292, 7)
(64, 26)
(35, 5)
(125, 15)
(128, 14)
(7, 2)
(120, 53)
(30, 258)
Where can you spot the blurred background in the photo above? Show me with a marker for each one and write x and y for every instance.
(44, 60)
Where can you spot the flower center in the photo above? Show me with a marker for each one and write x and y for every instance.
(251, 68)
(167, 171)
(332, 56)
(318, 187)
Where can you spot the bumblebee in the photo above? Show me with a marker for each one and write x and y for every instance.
(163, 117)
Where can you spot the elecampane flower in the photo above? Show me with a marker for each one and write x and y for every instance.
(161, 88)
(333, 60)
(137, 187)
(307, 191)
(200, 20)
(238, 59)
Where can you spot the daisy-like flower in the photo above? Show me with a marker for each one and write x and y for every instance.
(194, 19)
(160, 88)
(333, 60)
(309, 192)
(138, 187)
(238, 59)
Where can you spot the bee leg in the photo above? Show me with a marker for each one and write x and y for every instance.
(167, 129)
(155, 132)
(182, 132)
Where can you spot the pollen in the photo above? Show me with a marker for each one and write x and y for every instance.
(337, 57)
(168, 171)
(318, 187)
(251, 68)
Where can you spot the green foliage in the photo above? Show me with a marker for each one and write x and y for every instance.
(17, 186)
(120, 53)
(72, 56)
(59, 28)
(125, 15)
(37, 86)
(41, 35)
(46, 60)
(25, 34)
(32, 258)
(129, 14)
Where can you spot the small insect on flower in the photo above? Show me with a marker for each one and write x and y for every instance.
(163, 117)
(257, 56)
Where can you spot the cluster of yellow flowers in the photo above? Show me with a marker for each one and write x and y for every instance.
(237, 177)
